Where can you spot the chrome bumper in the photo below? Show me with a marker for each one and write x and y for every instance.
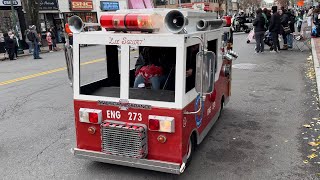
(162, 166)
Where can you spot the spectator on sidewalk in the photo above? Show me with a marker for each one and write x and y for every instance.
(267, 13)
(9, 45)
(49, 40)
(15, 40)
(53, 37)
(299, 20)
(274, 28)
(309, 16)
(259, 24)
(291, 23)
(34, 37)
(284, 24)
(28, 41)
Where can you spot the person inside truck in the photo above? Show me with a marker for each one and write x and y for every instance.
(149, 69)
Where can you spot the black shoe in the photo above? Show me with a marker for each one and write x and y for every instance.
(38, 58)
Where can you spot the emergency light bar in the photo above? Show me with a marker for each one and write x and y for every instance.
(131, 22)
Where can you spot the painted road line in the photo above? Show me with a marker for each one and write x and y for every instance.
(45, 73)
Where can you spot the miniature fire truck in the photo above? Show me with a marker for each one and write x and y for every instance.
(145, 127)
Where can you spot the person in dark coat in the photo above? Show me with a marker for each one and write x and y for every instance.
(9, 45)
(267, 14)
(259, 24)
(53, 37)
(274, 28)
(284, 23)
(291, 22)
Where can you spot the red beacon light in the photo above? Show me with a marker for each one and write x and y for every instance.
(131, 22)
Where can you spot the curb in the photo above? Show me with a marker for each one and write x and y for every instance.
(316, 65)
(43, 51)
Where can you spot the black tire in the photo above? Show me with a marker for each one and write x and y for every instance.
(247, 30)
(191, 149)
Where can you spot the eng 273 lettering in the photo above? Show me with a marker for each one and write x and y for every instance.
(132, 116)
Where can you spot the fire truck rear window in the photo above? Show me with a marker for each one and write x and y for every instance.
(153, 74)
(99, 76)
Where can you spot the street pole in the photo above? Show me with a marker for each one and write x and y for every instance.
(14, 25)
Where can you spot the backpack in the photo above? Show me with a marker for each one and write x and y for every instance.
(30, 36)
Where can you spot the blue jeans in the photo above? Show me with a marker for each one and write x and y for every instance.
(155, 81)
(36, 50)
(30, 46)
(290, 40)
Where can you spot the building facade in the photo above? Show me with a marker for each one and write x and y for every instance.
(227, 7)
(6, 20)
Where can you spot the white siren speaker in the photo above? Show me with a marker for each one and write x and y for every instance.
(175, 21)
(76, 24)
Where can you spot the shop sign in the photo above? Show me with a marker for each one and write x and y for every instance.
(109, 5)
(48, 5)
(77, 5)
(8, 2)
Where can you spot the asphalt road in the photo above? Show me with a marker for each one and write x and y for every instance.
(258, 137)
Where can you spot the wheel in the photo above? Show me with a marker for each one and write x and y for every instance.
(191, 148)
(248, 41)
(247, 30)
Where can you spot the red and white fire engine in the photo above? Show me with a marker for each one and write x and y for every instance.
(144, 126)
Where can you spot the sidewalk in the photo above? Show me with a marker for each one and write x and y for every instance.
(315, 43)
(26, 52)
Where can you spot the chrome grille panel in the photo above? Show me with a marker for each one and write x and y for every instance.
(122, 139)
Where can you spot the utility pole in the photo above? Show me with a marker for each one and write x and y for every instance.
(14, 25)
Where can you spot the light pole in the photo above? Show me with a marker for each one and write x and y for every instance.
(14, 25)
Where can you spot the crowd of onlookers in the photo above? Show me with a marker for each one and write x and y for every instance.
(33, 39)
(283, 22)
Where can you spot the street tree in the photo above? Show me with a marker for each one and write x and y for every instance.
(220, 2)
(283, 3)
(32, 12)
(244, 4)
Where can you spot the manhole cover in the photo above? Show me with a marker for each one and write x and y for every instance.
(244, 66)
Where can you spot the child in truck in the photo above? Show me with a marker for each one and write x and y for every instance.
(149, 69)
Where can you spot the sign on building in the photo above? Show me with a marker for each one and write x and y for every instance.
(8, 2)
(109, 5)
(80, 5)
(48, 5)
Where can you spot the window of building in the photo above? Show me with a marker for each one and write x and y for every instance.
(172, 1)
(185, 1)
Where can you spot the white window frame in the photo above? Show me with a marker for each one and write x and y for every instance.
(163, 40)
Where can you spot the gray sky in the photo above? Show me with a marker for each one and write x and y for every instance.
(268, 1)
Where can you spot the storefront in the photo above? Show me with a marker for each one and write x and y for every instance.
(50, 18)
(83, 9)
(6, 21)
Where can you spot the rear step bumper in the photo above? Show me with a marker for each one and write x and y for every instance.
(161, 166)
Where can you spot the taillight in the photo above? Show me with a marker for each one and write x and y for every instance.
(154, 125)
(90, 115)
(93, 117)
(161, 123)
